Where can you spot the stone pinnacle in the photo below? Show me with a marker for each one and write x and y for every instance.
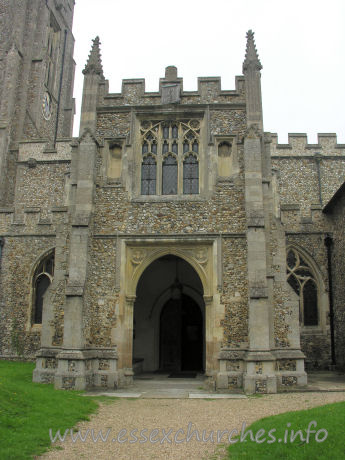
(94, 62)
(251, 60)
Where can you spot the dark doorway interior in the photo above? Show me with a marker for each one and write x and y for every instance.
(181, 335)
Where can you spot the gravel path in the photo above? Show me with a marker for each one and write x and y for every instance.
(175, 414)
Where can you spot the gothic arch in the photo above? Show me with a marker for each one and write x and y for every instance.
(138, 255)
(148, 307)
(141, 257)
(322, 296)
(43, 274)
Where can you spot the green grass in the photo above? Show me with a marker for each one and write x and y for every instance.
(330, 417)
(28, 410)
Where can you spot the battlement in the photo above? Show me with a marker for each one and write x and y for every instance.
(171, 91)
(298, 145)
(32, 220)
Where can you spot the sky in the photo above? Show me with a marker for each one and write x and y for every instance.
(300, 44)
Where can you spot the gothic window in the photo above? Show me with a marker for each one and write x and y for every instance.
(302, 280)
(169, 179)
(52, 53)
(42, 279)
(173, 168)
(190, 175)
(148, 176)
(175, 132)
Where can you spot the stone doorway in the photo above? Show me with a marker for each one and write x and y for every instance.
(169, 318)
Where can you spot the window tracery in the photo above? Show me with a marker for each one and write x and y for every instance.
(302, 280)
(170, 157)
(42, 279)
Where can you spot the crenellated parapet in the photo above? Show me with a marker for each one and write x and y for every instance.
(42, 184)
(171, 92)
(307, 176)
(298, 145)
(32, 221)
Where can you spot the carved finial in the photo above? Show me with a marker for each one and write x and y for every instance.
(252, 58)
(94, 62)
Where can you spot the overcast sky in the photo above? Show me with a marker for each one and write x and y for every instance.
(300, 44)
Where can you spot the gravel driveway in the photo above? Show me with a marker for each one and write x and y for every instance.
(175, 414)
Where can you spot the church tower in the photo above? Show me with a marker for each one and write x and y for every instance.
(36, 79)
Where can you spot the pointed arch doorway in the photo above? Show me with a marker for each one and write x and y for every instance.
(169, 317)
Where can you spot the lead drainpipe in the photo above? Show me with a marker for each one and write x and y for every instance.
(60, 89)
(329, 244)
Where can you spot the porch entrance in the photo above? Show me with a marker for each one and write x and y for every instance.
(169, 318)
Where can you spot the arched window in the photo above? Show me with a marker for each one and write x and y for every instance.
(190, 175)
(169, 176)
(170, 142)
(148, 176)
(302, 280)
(42, 279)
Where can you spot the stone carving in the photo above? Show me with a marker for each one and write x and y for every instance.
(253, 132)
(201, 255)
(137, 256)
(103, 364)
(71, 366)
(289, 380)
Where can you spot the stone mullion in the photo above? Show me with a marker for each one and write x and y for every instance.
(159, 160)
(179, 162)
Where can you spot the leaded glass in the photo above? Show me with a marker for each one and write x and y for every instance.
(310, 304)
(145, 147)
(165, 132)
(190, 175)
(169, 176)
(303, 272)
(148, 176)
(42, 278)
(166, 141)
(42, 284)
(49, 265)
(294, 284)
(190, 136)
(301, 279)
(291, 259)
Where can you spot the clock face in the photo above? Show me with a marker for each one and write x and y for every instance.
(47, 106)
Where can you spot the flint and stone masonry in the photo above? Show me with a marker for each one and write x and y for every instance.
(162, 231)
